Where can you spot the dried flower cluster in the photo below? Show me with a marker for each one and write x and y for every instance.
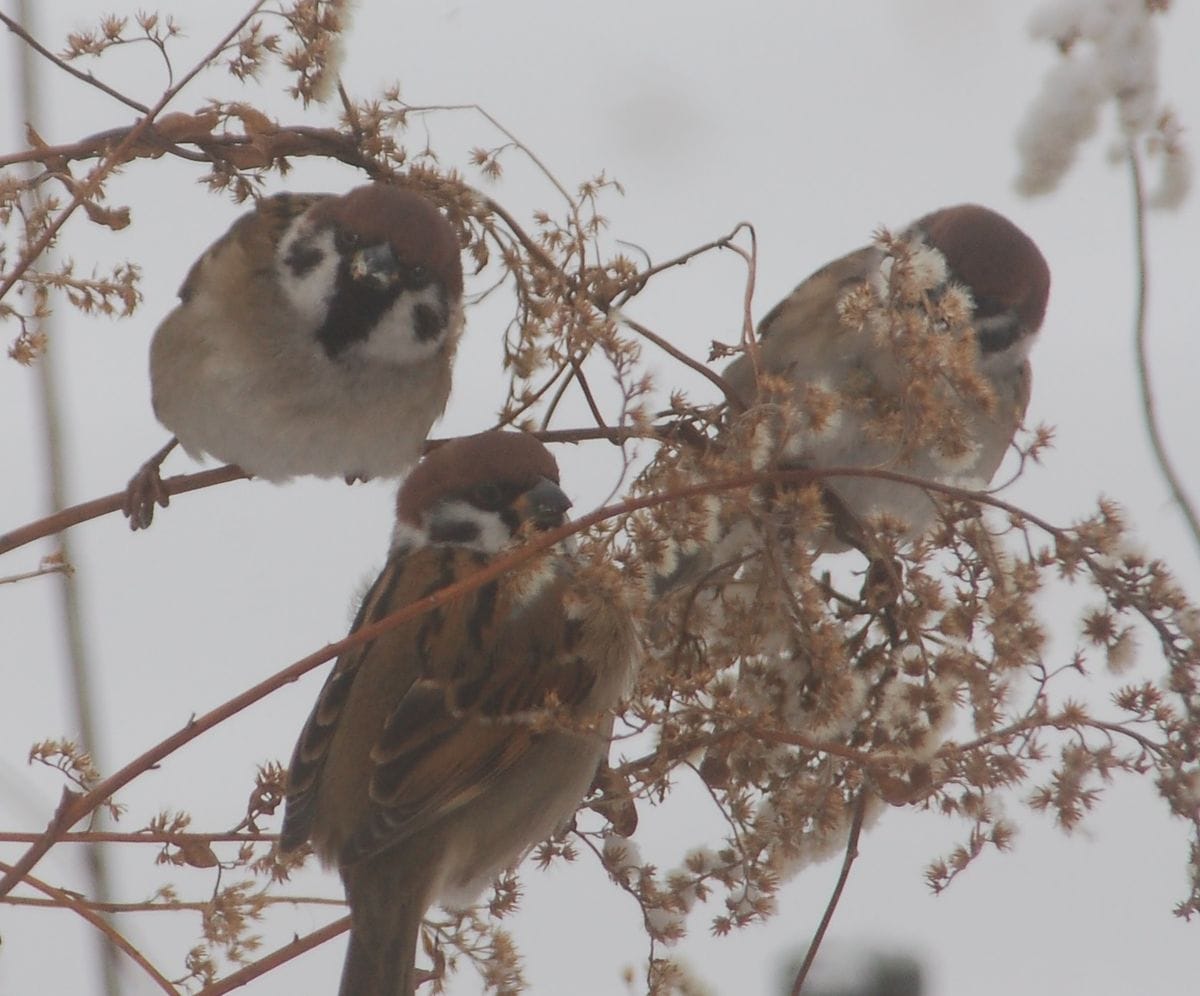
(805, 695)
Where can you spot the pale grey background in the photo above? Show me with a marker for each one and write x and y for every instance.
(815, 121)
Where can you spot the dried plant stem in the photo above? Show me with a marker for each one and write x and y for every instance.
(860, 809)
(66, 67)
(97, 507)
(77, 659)
(183, 483)
(1178, 493)
(140, 837)
(63, 568)
(74, 807)
(67, 900)
(174, 906)
(682, 357)
(277, 957)
(116, 156)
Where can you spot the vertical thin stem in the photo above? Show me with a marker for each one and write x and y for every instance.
(1150, 415)
(79, 677)
(856, 824)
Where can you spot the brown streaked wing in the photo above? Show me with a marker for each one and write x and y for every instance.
(448, 738)
(809, 302)
(797, 332)
(312, 749)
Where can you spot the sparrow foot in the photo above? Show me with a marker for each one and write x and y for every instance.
(145, 490)
(614, 801)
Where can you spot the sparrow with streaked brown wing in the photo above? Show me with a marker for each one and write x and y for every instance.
(441, 751)
(807, 344)
(315, 337)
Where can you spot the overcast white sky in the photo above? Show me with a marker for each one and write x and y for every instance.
(815, 121)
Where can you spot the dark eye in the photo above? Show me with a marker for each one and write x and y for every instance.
(986, 307)
(345, 241)
(488, 496)
(418, 275)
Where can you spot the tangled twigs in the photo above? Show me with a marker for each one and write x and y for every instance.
(75, 806)
(113, 158)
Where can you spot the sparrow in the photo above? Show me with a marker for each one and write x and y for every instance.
(441, 751)
(822, 343)
(315, 337)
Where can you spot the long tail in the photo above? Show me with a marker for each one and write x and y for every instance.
(387, 896)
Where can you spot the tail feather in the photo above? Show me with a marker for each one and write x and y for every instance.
(387, 897)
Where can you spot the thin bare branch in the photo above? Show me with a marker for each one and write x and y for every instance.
(66, 67)
(69, 901)
(299, 946)
(1149, 411)
(118, 155)
(860, 809)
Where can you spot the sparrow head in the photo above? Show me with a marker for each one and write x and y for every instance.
(477, 491)
(1001, 266)
(378, 274)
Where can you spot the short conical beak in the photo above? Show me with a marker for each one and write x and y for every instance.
(375, 265)
(545, 504)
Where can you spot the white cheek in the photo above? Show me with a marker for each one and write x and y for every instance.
(493, 535)
(1001, 364)
(309, 292)
(394, 339)
(405, 536)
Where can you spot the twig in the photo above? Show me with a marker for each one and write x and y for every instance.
(97, 507)
(140, 837)
(89, 186)
(74, 807)
(634, 285)
(571, 368)
(69, 901)
(37, 573)
(173, 906)
(66, 67)
(577, 364)
(183, 483)
(516, 142)
(1178, 494)
(678, 354)
(860, 809)
(276, 958)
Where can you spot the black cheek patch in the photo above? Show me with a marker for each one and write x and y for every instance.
(455, 531)
(302, 258)
(429, 322)
(997, 333)
(510, 519)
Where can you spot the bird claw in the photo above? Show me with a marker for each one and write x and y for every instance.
(145, 490)
(615, 803)
(883, 584)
